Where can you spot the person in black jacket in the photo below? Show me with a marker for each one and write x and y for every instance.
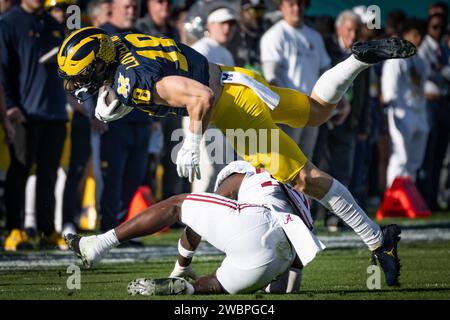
(123, 150)
(35, 103)
(156, 23)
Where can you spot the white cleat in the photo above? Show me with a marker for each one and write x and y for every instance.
(158, 287)
(84, 248)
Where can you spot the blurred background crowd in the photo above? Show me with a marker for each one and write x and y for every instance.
(62, 170)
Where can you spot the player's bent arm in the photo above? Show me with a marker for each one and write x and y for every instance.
(197, 98)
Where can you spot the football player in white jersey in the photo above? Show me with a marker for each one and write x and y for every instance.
(259, 241)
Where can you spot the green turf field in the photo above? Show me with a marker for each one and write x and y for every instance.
(335, 274)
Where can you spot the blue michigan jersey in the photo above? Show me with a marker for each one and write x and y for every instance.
(143, 60)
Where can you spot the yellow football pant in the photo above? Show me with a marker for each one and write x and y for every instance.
(240, 108)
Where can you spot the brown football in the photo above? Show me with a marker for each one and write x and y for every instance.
(111, 93)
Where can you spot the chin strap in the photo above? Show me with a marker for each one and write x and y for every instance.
(78, 94)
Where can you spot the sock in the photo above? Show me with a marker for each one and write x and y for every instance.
(179, 271)
(333, 84)
(339, 201)
(185, 252)
(294, 280)
(288, 282)
(107, 241)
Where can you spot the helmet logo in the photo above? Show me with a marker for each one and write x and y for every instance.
(123, 87)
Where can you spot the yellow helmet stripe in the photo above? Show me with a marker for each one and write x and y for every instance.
(61, 59)
(64, 61)
(73, 34)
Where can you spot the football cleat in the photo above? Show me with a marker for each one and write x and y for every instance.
(158, 287)
(17, 239)
(53, 241)
(378, 50)
(84, 248)
(387, 254)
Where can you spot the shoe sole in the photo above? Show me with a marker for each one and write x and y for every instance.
(157, 287)
(392, 48)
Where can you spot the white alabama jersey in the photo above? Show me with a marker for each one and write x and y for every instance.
(288, 206)
(261, 188)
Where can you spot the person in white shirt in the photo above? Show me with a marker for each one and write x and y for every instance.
(403, 89)
(221, 24)
(293, 55)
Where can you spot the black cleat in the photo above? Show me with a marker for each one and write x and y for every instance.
(73, 241)
(157, 287)
(378, 50)
(387, 254)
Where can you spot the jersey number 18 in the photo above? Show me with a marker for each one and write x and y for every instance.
(152, 45)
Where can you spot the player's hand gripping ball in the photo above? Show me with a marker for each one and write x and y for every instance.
(109, 108)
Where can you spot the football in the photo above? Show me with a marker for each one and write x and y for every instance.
(111, 93)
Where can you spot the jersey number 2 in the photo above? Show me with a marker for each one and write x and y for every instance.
(144, 41)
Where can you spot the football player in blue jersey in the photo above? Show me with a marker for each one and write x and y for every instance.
(162, 76)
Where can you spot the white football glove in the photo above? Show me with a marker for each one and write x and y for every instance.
(114, 111)
(183, 272)
(188, 158)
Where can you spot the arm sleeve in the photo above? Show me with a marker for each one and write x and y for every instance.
(8, 67)
(390, 80)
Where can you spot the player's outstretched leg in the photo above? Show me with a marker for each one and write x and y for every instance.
(336, 198)
(334, 83)
(91, 249)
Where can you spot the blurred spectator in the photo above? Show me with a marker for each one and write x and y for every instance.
(220, 25)
(436, 92)
(156, 22)
(124, 146)
(5, 5)
(84, 126)
(178, 16)
(5, 122)
(35, 102)
(244, 46)
(58, 8)
(324, 25)
(335, 149)
(82, 123)
(402, 84)
(438, 8)
(367, 137)
(99, 12)
(293, 55)
(394, 23)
